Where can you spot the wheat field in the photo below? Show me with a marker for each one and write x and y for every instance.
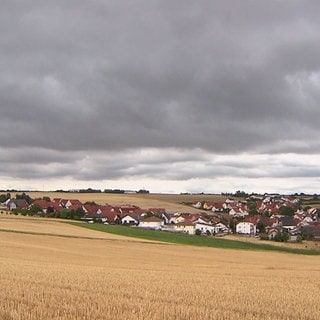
(90, 275)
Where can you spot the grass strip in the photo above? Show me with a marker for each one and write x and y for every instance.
(203, 241)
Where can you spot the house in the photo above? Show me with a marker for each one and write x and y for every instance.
(273, 232)
(229, 203)
(103, 213)
(238, 212)
(221, 228)
(164, 216)
(177, 218)
(130, 219)
(206, 228)
(180, 227)
(71, 204)
(200, 219)
(208, 205)
(126, 208)
(197, 204)
(217, 207)
(245, 227)
(185, 227)
(151, 223)
(47, 207)
(13, 204)
(288, 223)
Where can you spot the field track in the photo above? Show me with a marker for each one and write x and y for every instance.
(87, 276)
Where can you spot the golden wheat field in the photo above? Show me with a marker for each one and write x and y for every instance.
(92, 275)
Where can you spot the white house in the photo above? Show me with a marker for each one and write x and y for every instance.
(238, 212)
(130, 219)
(246, 228)
(206, 228)
(197, 204)
(222, 228)
(183, 227)
(151, 223)
(176, 219)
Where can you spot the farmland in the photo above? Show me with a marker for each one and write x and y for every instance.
(53, 270)
(172, 202)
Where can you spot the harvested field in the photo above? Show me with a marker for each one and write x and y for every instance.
(54, 227)
(171, 202)
(52, 277)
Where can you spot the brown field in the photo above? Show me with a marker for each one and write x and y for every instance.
(172, 202)
(91, 275)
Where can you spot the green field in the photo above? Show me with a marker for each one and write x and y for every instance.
(177, 238)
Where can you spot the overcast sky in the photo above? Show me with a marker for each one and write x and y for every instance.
(171, 96)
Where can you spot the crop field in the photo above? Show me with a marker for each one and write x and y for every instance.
(171, 202)
(53, 270)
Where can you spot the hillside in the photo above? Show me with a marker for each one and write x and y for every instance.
(171, 202)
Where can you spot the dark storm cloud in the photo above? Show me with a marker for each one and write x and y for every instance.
(225, 77)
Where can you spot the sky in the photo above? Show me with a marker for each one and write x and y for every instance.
(169, 96)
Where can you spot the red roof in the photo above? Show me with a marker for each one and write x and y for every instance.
(152, 219)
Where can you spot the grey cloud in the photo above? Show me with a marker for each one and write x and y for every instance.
(227, 77)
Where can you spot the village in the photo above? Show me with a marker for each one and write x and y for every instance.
(269, 217)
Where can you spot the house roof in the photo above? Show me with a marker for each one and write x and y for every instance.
(289, 221)
(20, 203)
(185, 224)
(136, 217)
(151, 219)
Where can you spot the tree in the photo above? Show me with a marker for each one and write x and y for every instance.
(232, 225)
(281, 237)
(252, 206)
(24, 196)
(79, 213)
(65, 214)
(286, 211)
(261, 227)
(4, 197)
(143, 191)
(240, 194)
(35, 208)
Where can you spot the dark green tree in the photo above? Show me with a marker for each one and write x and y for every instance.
(78, 214)
(261, 227)
(35, 209)
(286, 211)
(252, 207)
(24, 196)
(4, 197)
(281, 237)
(65, 214)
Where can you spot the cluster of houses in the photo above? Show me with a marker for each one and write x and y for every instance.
(266, 216)
(253, 216)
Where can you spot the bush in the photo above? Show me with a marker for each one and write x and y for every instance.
(281, 237)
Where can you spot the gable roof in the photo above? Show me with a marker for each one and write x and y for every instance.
(19, 203)
(151, 219)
